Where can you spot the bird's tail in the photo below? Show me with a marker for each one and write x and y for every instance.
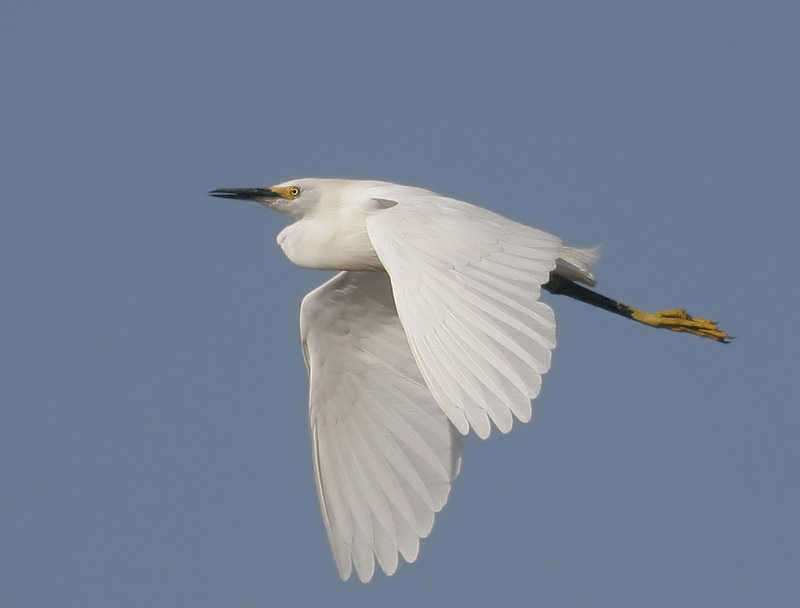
(576, 264)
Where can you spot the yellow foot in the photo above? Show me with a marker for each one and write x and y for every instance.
(679, 320)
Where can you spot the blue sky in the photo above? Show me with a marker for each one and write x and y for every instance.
(154, 447)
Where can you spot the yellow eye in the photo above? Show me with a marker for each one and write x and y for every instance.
(293, 191)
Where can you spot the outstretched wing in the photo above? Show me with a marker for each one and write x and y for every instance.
(466, 283)
(384, 452)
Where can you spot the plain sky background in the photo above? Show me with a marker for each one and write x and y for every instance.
(154, 448)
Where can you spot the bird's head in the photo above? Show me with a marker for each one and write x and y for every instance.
(296, 198)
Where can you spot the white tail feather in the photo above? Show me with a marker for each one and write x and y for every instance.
(576, 264)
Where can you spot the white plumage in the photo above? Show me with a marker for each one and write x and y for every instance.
(434, 328)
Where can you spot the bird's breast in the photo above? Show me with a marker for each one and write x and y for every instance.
(329, 245)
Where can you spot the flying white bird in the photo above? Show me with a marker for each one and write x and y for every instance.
(433, 328)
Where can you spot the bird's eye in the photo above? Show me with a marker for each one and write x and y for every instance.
(293, 191)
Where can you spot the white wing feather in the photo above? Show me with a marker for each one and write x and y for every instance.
(466, 283)
(384, 452)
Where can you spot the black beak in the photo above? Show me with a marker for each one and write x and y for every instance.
(245, 194)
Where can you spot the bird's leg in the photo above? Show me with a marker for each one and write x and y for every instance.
(676, 320)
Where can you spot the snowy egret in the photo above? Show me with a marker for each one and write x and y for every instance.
(433, 327)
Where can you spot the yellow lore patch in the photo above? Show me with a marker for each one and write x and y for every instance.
(287, 192)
